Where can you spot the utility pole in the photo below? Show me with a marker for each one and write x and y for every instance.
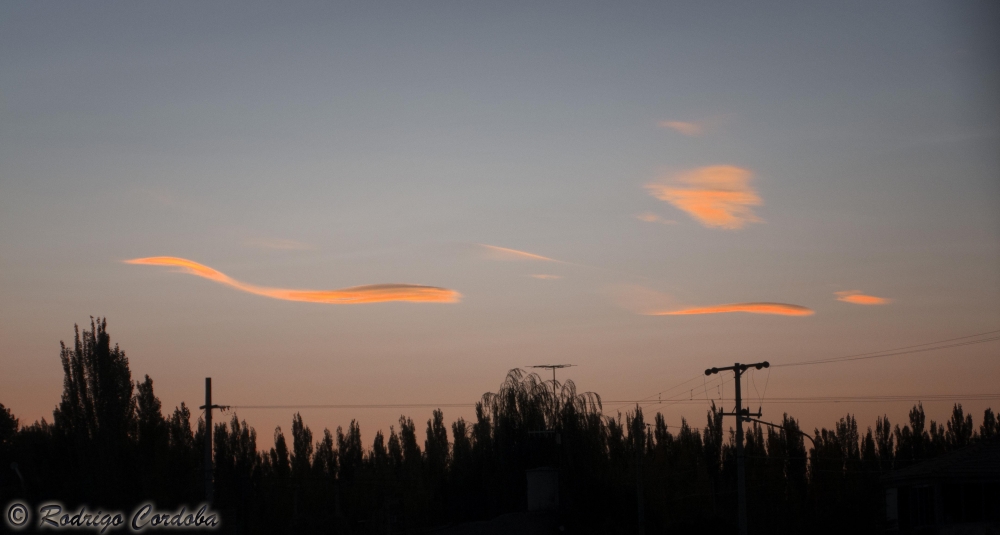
(555, 395)
(741, 414)
(209, 484)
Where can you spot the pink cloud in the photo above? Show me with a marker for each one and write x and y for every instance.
(781, 309)
(717, 196)
(858, 298)
(372, 293)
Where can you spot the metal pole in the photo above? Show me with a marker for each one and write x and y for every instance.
(555, 393)
(740, 470)
(209, 490)
(555, 403)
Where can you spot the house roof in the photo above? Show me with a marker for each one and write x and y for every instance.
(979, 460)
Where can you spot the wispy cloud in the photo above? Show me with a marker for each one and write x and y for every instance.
(503, 253)
(781, 309)
(650, 217)
(544, 276)
(859, 298)
(716, 196)
(282, 245)
(688, 129)
(373, 293)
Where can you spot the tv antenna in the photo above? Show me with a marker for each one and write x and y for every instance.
(553, 367)
(555, 395)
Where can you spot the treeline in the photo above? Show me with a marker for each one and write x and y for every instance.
(110, 446)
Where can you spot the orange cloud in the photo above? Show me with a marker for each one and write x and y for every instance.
(547, 277)
(858, 298)
(504, 253)
(781, 309)
(688, 129)
(373, 293)
(716, 196)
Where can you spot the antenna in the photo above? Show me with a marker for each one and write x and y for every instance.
(553, 367)
(555, 395)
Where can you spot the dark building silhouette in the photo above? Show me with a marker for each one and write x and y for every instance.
(955, 493)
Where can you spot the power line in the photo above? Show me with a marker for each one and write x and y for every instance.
(660, 401)
(842, 399)
(843, 359)
(927, 343)
(860, 356)
(660, 393)
(674, 400)
(665, 403)
(678, 385)
(857, 356)
(905, 350)
(678, 398)
(359, 406)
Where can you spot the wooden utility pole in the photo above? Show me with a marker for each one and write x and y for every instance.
(741, 415)
(209, 483)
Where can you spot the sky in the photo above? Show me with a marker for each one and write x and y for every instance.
(396, 203)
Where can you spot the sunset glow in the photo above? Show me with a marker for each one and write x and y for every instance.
(643, 192)
(858, 298)
(780, 309)
(717, 196)
(372, 293)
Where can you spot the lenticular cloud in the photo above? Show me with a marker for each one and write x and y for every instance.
(717, 196)
(858, 298)
(373, 293)
(781, 309)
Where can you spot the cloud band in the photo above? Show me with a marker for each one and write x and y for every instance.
(373, 293)
(780, 309)
(858, 298)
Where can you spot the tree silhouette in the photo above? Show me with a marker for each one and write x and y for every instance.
(111, 445)
(96, 416)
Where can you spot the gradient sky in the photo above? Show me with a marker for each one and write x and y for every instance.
(695, 185)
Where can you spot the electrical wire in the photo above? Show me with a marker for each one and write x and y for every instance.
(358, 406)
(799, 399)
(858, 399)
(906, 350)
(659, 394)
(766, 382)
(660, 401)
